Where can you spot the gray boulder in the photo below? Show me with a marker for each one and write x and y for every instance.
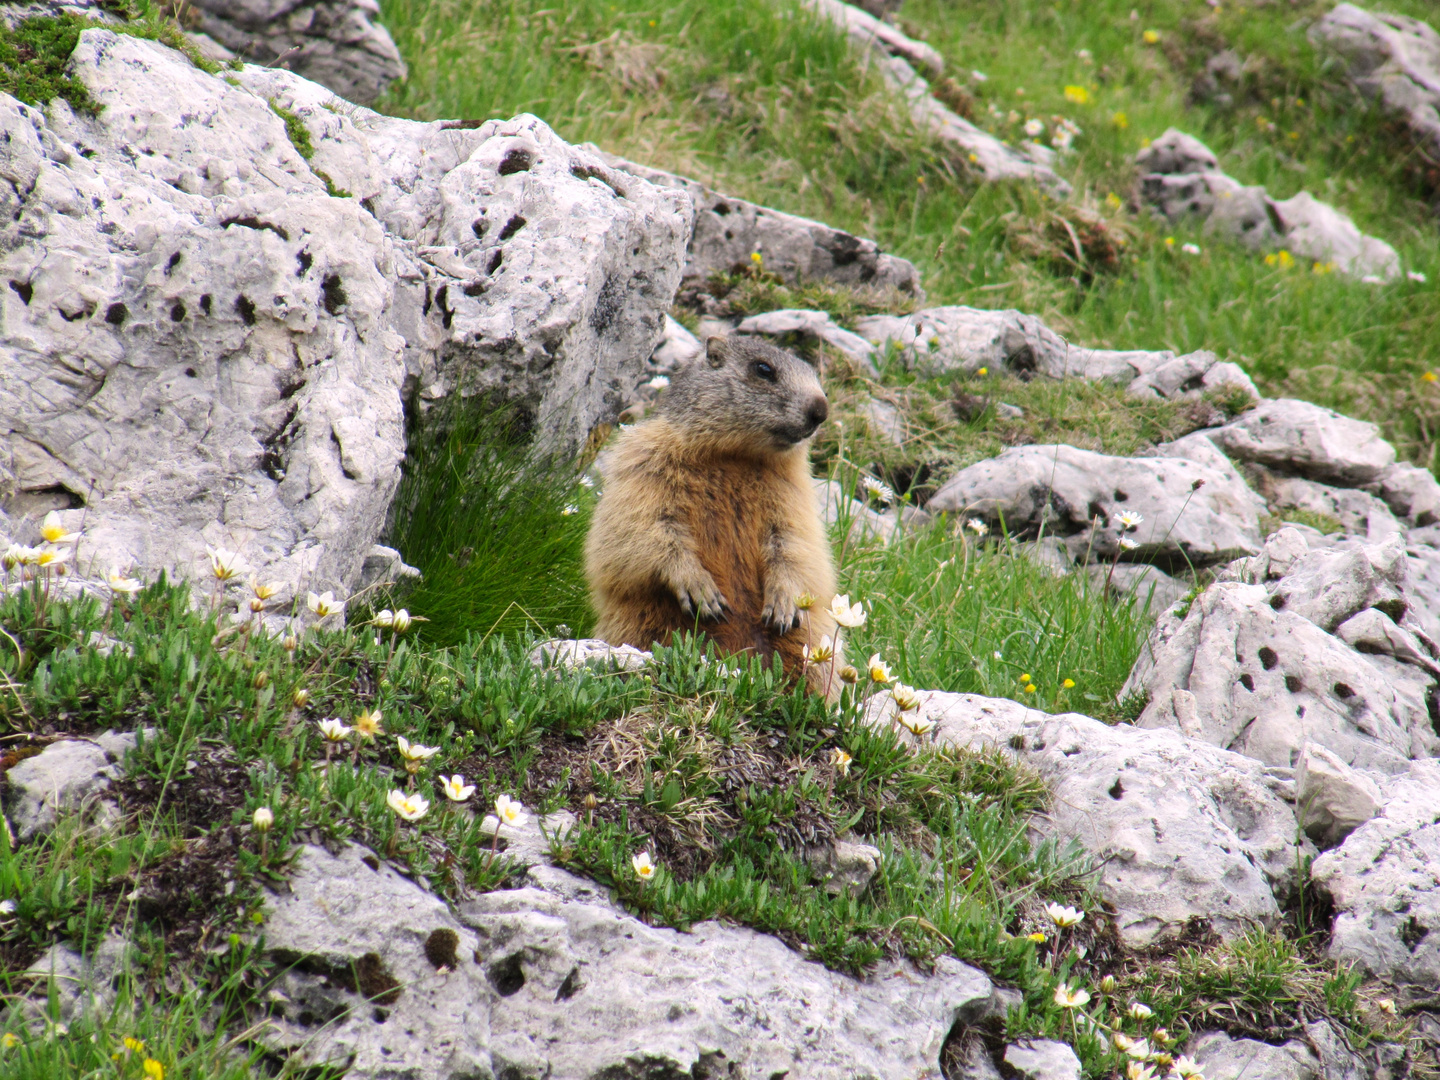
(1392, 58)
(816, 326)
(339, 44)
(554, 979)
(1318, 231)
(1043, 1059)
(211, 342)
(1174, 153)
(1147, 584)
(67, 777)
(678, 347)
(589, 652)
(1298, 437)
(1177, 828)
(1382, 883)
(1358, 512)
(1224, 1058)
(1253, 668)
(1332, 800)
(1080, 493)
(1410, 491)
(728, 231)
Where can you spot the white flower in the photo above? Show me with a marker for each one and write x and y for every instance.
(324, 604)
(510, 811)
(54, 532)
(1139, 1071)
(1139, 1049)
(225, 564)
(585, 481)
(644, 867)
(978, 527)
(841, 760)
(1067, 998)
(879, 672)
(1387, 1006)
(845, 613)
(1034, 128)
(999, 655)
(916, 724)
(49, 556)
(1372, 279)
(1186, 1066)
(401, 621)
(368, 723)
(121, 584)
(1122, 1041)
(265, 591)
(659, 382)
(334, 730)
(881, 490)
(1128, 544)
(1139, 1011)
(1129, 519)
(385, 619)
(264, 819)
(455, 788)
(1416, 275)
(904, 697)
(979, 76)
(1190, 249)
(820, 653)
(570, 508)
(8, 907)
(414, 751)
(1064, 916)
(409, 807)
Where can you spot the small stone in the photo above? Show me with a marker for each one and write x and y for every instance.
(1043, 1059)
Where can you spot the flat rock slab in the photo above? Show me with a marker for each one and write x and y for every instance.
(1299, 437)
(1043, 1059)
(1382, 881)
(1224, 1058)
(1177, 828)
(1067, 490)
(558, 981)
(62, 779)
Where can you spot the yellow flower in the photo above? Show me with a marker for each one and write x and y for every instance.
(263, 592)
(1068, 684)
(264, 819)
(51, 557)
(879, 672)
(1283, 259)
(455, 788)
(1030, 688)
(10, 1040)
(1322, 268)
(1037, 937)
(1070, 999)
(409, 807)
(983, 371)
(974, 157)
(367, 724)
(841, 760)
(1078, 94)
(1064, 916)
(1025, 678)
(1151, 37)
(756, 258)
(1120, 120)
(154, 1070)
(820, 653)
(644, 867)
(509, 811)
(1169, 241)
(804, 601)
(1430, 376)
(54, 532)
(225, 564)
(847, 614)
(1113, 201)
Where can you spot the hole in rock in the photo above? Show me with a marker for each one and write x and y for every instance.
(1413, 932)
(1117, 789)
(495, 261)
(1293, 683)
(24, 290)
(1343, 691)
(514, 225)
(1247, 682)
(177, 312)
(1394, 609)
(478, 228)
(172, 262)
(190, 373)
(205, 303)
(507, 976)
(1121, 496)
(516, 161)
(1277, 601)
(115, 314)
(1268, 657)
(332, 294)
(570, 987)
(245, 308)
(303, 261)
(440, 948)
(1017, 742)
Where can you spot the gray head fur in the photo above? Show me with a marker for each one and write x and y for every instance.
(747, 393)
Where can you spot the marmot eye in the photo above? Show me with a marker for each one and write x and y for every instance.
(764, 370)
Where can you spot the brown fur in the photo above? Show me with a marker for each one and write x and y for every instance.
(708, 520)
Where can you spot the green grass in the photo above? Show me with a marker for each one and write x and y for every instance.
(758, 100)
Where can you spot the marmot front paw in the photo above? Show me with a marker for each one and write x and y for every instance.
(780, 615)
(702, 597)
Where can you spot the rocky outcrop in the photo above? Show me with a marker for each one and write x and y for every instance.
(1391, 58)
(209, 337)
(1176, 828)
(339, 44)
(1181, 179)
(1189, 512)
(1263, 663)
(553, 978)
(67, 777)
(729, 233)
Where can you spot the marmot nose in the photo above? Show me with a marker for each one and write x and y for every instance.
(818, 410)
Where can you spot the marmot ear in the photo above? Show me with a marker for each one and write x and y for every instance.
(717, 351)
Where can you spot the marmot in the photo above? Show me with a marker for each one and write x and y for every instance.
(708, 520)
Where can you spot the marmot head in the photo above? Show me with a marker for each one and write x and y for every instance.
(744, 393)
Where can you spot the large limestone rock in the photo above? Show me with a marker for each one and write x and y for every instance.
(553, 979)
(1296, 436)
(1177, 828)
(209, 340)
(67, 776)
(1192, 513)
(1382, 883)
(1393, 58)
(728, 231)
(339, 44)
(1254, 666)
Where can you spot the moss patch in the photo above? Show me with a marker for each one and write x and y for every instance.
(33, 57)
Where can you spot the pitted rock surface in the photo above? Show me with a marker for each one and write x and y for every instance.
(554, 979)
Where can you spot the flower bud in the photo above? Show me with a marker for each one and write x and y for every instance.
(264, 819)
(300, 698)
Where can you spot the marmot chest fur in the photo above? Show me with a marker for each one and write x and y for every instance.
(708, 520)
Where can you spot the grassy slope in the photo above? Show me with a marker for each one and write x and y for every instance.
(754, 99)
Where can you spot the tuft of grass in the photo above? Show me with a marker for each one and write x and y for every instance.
(33, 57)
(496, 528)
(295, 128)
